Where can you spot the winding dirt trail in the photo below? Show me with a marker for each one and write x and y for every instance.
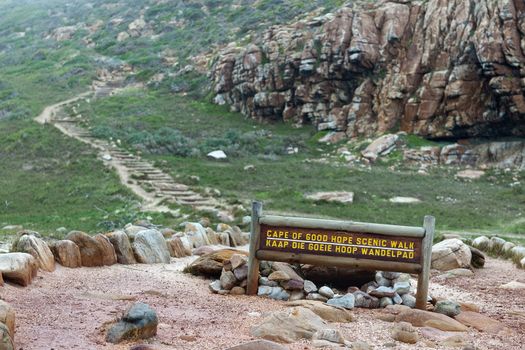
(155, 187)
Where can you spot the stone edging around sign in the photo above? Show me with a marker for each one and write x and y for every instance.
(499, 247)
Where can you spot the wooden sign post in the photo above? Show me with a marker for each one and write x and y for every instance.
(341, 243)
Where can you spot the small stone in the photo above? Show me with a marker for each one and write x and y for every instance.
(382, 281)
(293, 284)
(228, 280)
(397, 299)
(296, 295)
(402, 287)
(369, 286)
(347, 301)
(276, 293)
(385, 301)
(326, 292)
(404, 332)
(139, 322)
(279, 276)
(217, 155)
(237, 291)
(241, 273)
(447, 307)
(383, 292)
(309, 286)
(331, 335)
(316, 296)
(238, 260)
(408, 300)
(361, 345)
(215, 286)
(391, 275)
(264, 281)
(364, 300)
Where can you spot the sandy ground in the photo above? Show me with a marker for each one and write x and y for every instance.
(68, 309)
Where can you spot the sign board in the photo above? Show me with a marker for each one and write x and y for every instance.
(341, 243)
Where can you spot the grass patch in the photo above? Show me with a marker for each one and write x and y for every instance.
(51, 181)
(280, 180)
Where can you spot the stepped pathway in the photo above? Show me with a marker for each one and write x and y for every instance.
(155, 187)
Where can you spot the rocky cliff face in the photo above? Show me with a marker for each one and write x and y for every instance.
(437, 68)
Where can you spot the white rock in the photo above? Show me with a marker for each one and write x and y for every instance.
(450, 254)
(217, 155)
(513, 285)
(340, 197)
(107, 157)
(380, 147)
(470, 174)
(404, 200)
(481, 242)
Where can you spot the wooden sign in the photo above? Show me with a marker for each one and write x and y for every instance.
(341, 243)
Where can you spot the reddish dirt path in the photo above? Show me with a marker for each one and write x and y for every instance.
(67, 309)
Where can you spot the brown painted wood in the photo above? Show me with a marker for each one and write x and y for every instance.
(424, 276)
(337, 261)
(343, 244)
(253, 262)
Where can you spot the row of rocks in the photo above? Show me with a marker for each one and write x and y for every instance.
(500, 247)
(7, 326)
(134, 244)
(501, 154)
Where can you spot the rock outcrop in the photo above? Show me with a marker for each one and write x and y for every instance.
(438, 68)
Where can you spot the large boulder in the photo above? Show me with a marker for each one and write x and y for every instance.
(67, 253)
(109, 257)
(31, 244)
(211, 264)
(122, 246)
(91, 253)
(380, 147)
(176, 248)
(19, 268)
(481, 322)
(139, 322)
(7, 317)
(450, 254)
(6, 341)
(290, 325)
(132, 230)
(196, 234)
(421, 318)
(326, 312)
(150, 247)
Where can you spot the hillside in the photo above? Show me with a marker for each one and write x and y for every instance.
(149, 64)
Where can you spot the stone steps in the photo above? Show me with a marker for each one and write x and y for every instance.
(163, 185)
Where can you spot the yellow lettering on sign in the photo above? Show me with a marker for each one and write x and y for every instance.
(298, 245)
(319, 247)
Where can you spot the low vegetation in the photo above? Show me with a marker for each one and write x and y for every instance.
(281, 179)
